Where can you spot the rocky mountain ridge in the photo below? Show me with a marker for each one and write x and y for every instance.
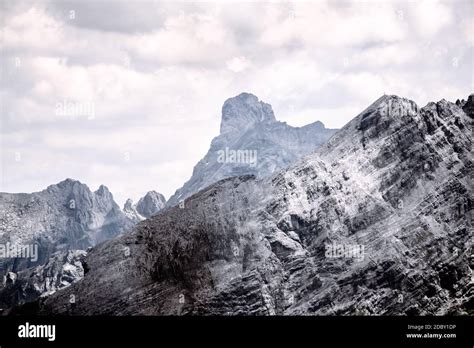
(377, 221)
(64, 216)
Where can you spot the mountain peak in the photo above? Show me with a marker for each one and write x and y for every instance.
(150, 204)
(102, 190)
(67, 184)
(243, 111)
(251, 142)
(103, 194)
(385, 110)
(467, 105)
(130, 211)
(392, 104)
(128, 204)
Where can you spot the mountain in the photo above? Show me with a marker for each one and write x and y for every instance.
(130, 211)
(64, 216)
(56, 226)
(147, 206)
(251, 141)
(60, 271)
(467, 105)
(150, 204)
(377, 221)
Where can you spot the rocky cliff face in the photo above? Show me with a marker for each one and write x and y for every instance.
(251, 141)
(62, 269)
(150, 204)
(130, 211)
(379, 220)
(467, 105)
(62, 217)
(243, 112)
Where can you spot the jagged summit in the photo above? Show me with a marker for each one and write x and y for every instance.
(467, 105)
(66, 183)
(71, 189)
(129, 209)
(103, 190)
(243, 111)
(73, 184)
(150, 204)
(251, 142)
(66, 215)
(392, 106)
(128, 204)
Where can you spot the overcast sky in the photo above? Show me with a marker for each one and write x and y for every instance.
(129, 94)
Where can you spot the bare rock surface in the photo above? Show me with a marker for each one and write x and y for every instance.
(150, 204)
(251, 142)
(130, 211)
(62, 269)
(377, 221)
(65, 216)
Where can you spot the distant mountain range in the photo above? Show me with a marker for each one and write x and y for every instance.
(378, 220)
(64, 216)
(147, 206)
(68, 216)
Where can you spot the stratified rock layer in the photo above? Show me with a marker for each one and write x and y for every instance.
(395, 183)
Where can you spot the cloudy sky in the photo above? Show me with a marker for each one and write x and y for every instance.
(129, 94)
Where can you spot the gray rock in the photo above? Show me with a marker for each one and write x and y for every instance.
(243, 112)
(130, 211)
(64, 216)
(150, 204)
(468, 106)
(9, 279)
(378, 221)
(62, 269)
(251, 142)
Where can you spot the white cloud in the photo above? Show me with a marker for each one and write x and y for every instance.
(319, 23)
(186, 38)
(430, 16)
(32, 29)
(238, 64)
(158, 82)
